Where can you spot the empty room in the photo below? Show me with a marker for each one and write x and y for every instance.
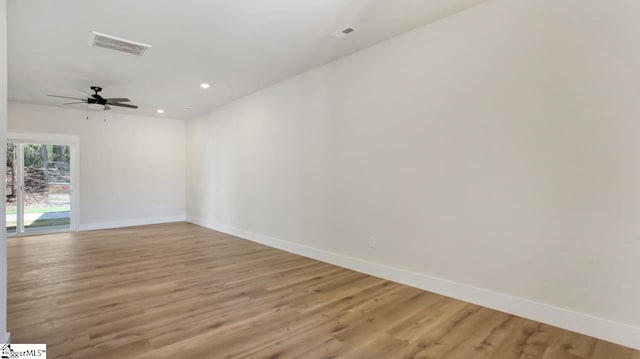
(320, 179)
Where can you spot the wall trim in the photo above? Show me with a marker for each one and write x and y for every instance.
(129, 223)
(608, 330)
(5, 338)
(43, 137)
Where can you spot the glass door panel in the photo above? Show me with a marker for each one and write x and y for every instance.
(47, 187)
(12, 188)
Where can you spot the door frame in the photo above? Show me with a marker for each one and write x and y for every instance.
(73, 141)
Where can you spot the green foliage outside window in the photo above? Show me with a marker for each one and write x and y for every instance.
(41, 156)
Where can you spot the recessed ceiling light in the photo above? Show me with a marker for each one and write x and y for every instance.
(205, 85)
(186, 109)
(160, 111)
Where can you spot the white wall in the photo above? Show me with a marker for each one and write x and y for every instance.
(132, 168)
(497, 148)
(3, 132)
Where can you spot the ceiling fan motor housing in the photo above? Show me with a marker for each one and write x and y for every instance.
(96, 97)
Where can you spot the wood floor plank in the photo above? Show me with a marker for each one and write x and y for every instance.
(182, 291)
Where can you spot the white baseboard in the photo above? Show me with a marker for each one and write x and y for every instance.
(129, 223)
(615, 332)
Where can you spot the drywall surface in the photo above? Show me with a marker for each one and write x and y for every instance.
(3, 132)
(132, 168)
(497, 148)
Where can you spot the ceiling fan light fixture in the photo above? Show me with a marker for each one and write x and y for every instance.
(96, 106)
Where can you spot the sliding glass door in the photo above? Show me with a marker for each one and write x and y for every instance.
(12, 187)
(39, 187)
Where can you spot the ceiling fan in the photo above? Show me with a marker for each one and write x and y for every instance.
(96, 99)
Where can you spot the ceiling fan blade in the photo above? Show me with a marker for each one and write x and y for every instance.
(123, 105)
(73, 98)
(117, 99)
(84, 93)
(73, 103)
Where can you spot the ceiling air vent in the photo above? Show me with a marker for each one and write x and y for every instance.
(118, 44)
(344, 32)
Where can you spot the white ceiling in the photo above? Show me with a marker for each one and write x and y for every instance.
(239, 46)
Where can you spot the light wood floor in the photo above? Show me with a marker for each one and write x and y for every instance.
(183, 291)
